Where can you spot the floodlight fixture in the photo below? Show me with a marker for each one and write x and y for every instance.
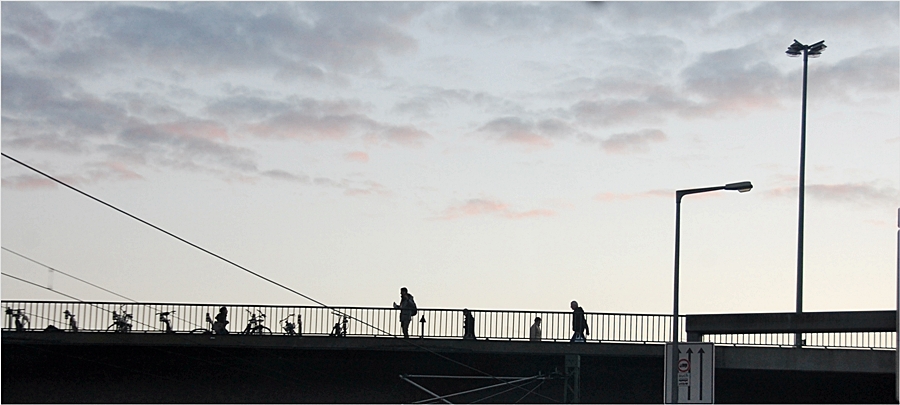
(796, 49)
(812, 51)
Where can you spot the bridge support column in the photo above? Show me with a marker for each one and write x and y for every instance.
(572, 388)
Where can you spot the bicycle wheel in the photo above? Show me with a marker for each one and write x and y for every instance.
(262, 330)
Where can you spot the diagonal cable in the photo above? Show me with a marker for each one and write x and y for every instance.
(66, 274)
(228, 261)
(163, 230)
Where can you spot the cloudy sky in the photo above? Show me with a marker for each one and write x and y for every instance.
(486, 155)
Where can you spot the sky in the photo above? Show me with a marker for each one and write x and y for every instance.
(485, 155)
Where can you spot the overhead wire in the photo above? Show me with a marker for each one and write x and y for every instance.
(237, 265)
(240, 369)
(66, 274)
(86, 282)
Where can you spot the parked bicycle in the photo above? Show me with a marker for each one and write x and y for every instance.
(121, 323)
(21, 319)
(164, 318)
(73, 324)
(289, 326)
(255, 324)
(340, 327)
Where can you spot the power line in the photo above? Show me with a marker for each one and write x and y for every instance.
(240, 369)
(229, 261)
(165, 231)
(83, 281)
(66, 274)
(40, 286)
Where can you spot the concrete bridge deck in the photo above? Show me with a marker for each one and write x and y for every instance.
(727, 356)
(159, 367)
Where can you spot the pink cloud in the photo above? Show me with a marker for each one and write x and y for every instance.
(408, 136)
(361, 157)
(28, 182)
(369, 188)
(475, 207)
(608, 196)
(99, 172)
(528, 139)
(122, 172)
(518, 131)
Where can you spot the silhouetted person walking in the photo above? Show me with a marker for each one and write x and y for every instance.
(579, 323)
(468, 325)
(407, 309)
(534, 334)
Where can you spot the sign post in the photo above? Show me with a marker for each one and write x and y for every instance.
(695, 365)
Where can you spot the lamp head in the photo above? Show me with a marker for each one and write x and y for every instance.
(742, 187)
(796, 49)
(815, 50)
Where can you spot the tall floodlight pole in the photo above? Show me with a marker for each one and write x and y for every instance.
(808, 51)
(742, 187)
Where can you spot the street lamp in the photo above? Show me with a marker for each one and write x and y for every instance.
(742, 187)
(808, 51)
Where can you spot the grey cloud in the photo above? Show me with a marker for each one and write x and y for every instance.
(526, 132)
(734, 79)
(312, 120)
(287, 39)
(607, 112)
(31, 24)
(874, 71)
(34, 104)
(182, 150)
(658, 15)
(537, 19)
(428, 101)
(857, 193)
(283, 175)
(54, 114)
(770, 16)
(632, 141)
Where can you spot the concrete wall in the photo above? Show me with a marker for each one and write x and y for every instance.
(146, 368)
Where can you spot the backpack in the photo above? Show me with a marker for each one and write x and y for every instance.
(413, 309)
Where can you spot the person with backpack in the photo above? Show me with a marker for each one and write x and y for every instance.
(579, 323)
(407, 309)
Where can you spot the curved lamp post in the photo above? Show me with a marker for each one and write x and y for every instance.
(808, 51)
(742, 187)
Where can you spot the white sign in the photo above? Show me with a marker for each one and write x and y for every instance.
(684, 379)
(696, 373)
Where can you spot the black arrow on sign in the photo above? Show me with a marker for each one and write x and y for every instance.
(689, 352)
(701, 372)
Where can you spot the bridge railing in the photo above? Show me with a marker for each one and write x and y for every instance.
(849, 340)
(439, 323)
(853, 329)
(362, 321)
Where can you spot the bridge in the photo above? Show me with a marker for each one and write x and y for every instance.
(845, 356)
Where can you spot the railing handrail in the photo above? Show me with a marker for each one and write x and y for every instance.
(249, 305)
(501, 324)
